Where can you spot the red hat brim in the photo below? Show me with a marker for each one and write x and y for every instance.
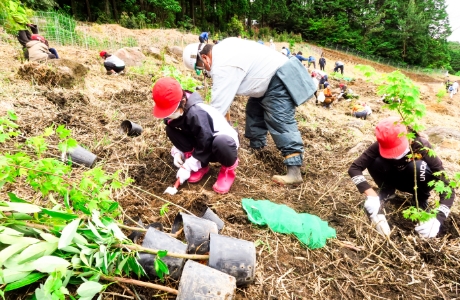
(161, 113)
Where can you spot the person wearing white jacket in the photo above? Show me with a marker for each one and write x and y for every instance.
(275, 85)
(112, 63)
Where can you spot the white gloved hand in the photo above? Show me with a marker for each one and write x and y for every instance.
(372, 205)
(183, 174)
(178, 159)
(428, 229)
(381, 224)
(178, 156)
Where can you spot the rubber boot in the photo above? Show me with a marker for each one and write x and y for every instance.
(225, 179)
(198, 175)
(293, 176)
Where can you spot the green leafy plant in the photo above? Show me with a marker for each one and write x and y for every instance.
(160, 266)
(187, 82)
(441, 94)
(164, 209)
(404, 98)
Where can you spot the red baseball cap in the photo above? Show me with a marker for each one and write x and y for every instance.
(102, 53)
(166, 94)
(391, 144)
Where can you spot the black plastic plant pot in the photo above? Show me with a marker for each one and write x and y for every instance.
(208, 214)
(155, 239)
(233, 256)
(130, 128)
(81, 156)
(196, 231)
(202, 282)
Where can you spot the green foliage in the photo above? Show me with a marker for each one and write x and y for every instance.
(441, 94)
(187, 82)
(164, 209)
(419, 215)
(160, 266)
(234, 27)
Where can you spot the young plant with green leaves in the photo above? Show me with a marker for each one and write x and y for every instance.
(74, 237)
(403, 97)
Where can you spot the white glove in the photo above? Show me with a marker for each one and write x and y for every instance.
(190, 164)
(178, 156)
(372, 205)
(381, 224)
(183, 174)
(428, 229)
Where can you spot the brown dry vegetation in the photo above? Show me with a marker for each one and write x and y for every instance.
(359, 264)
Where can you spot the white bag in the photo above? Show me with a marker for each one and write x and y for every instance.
(321, 97)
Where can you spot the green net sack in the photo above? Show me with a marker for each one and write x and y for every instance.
(309, 229)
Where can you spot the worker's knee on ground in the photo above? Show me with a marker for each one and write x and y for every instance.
(225, 150)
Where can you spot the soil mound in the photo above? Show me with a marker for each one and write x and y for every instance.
(58, 72)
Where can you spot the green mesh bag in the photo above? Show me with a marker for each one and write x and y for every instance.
(309, 229)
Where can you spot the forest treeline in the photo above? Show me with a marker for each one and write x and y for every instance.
(407, 31)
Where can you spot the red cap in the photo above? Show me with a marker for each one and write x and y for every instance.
(166, 94)
(37, 37)
(102, 53)
(391, 145)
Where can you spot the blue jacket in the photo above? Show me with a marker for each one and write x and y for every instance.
(301, 58)
(288, 52)
(311, 58)
(204, 35)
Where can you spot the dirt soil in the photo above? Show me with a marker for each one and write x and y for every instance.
(359, 264)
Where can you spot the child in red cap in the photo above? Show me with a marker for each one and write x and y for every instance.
(391, 169)
(199, 133)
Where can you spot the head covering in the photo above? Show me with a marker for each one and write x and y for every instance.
(38, 37)
(103, 53)
(387, 131)
(167, 94)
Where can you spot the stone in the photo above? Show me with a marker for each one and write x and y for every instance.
(155, 52)
(176, 50)
(170, 60)
(132, 56)
(437, 135)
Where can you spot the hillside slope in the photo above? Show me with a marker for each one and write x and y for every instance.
(359, 264)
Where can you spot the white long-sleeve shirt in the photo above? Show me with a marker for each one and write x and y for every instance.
(115, 60)
(241, 67)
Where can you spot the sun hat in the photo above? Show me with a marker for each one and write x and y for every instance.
(388, 133)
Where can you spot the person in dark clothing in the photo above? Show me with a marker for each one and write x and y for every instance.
(389, 166)
(204, 36)
(199, 133)
(338, 65)
(322, 63)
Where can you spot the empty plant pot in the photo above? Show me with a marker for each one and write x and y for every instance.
(130, 128)
(201, 282)
(196, 231)
(208, 214)
(158, 240)
(233, 256)
(81, 156)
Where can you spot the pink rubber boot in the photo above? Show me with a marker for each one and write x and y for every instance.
(198, 175)
(225, 179)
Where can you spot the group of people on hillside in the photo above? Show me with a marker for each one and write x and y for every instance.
(276, 85)
(35, 47)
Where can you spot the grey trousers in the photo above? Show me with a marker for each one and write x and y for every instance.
(274, 112)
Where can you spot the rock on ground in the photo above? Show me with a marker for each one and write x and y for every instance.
(56, 72)
(132, 56)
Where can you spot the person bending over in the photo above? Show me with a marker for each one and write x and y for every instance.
(112, 63)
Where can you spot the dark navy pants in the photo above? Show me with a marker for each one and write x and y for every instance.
(274, 113)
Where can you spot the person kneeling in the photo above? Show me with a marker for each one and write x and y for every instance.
(199, 133)
(112, 63)
(391, 166)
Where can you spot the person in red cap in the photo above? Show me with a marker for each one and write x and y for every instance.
(112, 63)
(199, 133)
(389, 166)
